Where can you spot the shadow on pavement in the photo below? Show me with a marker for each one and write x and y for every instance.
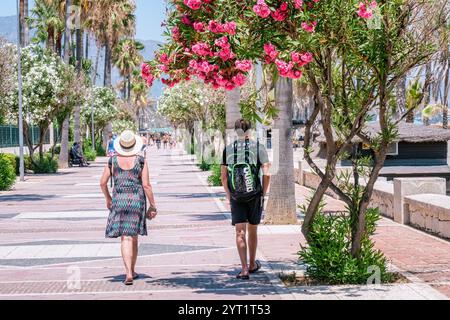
(221, 282)
(121, 278)
(26, 197)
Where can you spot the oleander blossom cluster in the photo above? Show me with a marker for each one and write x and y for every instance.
(283, 8)
(365, 10)
(287, 68)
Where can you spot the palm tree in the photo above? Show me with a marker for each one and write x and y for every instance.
(63, 161)
(126, 57)
(139, 93)
(23, 16)
(48, 20)
(110, 21)
(233, 112)
(281, 208)
(84, 6)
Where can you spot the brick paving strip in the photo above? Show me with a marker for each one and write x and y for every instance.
(52, 231)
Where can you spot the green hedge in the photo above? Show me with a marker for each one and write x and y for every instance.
(90, 155)
(45, 165)
(215, 178)
(7, 172)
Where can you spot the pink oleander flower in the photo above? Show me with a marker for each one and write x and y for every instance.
(261, 9)
(230, 86)
(176, 33)
(307, 57)
(243, 65)
(222, 42)
(298, 4)
(271, 52)
(295, 74)
(239, 79)
(283, 67)
(193, 4)
(145, 70)
(185, 20)
(281, 13)
(230, 27)
(226, 54)
(164, 59)
(201, 49)
(366, 10)
(199, 26)
(309, 27)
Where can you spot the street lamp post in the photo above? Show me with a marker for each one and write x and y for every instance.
(19, 71)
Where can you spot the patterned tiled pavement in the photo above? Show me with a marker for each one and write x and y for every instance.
(52, 244)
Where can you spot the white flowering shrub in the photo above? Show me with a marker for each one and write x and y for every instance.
(103, 101)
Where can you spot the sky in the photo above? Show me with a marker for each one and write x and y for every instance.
(150, 14)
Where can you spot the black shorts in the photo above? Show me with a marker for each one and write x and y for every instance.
(246, 212)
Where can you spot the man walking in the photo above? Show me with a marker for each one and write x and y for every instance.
(242, 163)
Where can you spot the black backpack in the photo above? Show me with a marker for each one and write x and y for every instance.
(243, 177)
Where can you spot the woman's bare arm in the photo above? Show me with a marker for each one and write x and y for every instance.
(104, 186)
(147, 185)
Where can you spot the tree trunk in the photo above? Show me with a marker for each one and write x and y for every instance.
(22, 21)
(281, 207)
(233, 112)
(129, 88)
(400, 91)
(77, 113)
(107, 83)
(63, 160)
(445, 96)
(108, 66)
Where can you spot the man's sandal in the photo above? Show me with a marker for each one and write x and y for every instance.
(258, 267)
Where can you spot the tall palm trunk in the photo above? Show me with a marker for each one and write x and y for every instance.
(23, 14)
(63, 161)
(233, 112)
(77, 113)
(281, 208)
(107, 83)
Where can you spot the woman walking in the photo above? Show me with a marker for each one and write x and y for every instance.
(130, 174)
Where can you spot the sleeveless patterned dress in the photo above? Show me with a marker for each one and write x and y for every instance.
(127, 216)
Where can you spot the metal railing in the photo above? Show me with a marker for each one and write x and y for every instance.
(9, 136)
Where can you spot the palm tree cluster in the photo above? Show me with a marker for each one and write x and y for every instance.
(67, 27)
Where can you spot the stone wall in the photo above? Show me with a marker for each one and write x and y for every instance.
(430, 213)
(419, 202)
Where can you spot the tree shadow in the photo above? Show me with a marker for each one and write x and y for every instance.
(26, 197)
(221, 282)
(122, 277)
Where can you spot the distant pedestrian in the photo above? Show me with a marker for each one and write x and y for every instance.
(243, 160)
(111, 150)
(128, 203)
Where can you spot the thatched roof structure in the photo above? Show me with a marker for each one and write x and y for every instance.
(407, 132)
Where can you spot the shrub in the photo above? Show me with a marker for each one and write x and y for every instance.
(12, 159)
(204, 165)
(215, 178)
(7, 172)
(328, 256)
(45, 165)
(100, 151)
(90, 154)
(57, 149)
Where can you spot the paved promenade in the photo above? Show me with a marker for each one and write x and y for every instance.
(52, 245)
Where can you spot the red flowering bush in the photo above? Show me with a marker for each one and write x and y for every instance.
(218, 40)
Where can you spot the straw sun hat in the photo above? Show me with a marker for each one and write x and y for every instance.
(128, 144)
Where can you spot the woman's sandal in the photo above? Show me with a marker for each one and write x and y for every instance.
(128, 282)
(243, 277)
(258, 267)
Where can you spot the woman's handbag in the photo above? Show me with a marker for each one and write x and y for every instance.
(149, 212)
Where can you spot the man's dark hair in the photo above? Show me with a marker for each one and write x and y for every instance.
(243, 125)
